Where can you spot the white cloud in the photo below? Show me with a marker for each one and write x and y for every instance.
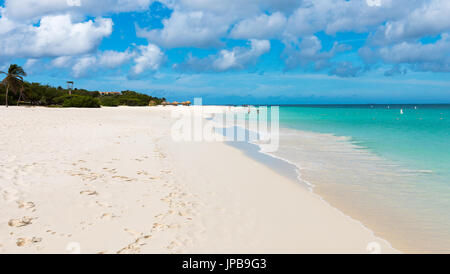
(35, 9)
(61, 62)
(30, 63)
(192, 29)
(54, 36)
(308, 52)
(6, 25)
(431, 18)
(150, 58)
(107, 59)
(36, 29)
(113, 59)
(260, 27)
(374, 3)
(334, 16)
(82, 65)
(234, 8)
(202, 23)
(417, 55)
(237, 58)
(144, 57)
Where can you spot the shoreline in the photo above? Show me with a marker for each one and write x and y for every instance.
(367, 218)
(89, 176)
(307, 184)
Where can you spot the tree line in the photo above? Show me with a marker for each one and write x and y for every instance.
(15, 90)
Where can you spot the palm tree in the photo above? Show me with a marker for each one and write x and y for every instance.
(14, 80)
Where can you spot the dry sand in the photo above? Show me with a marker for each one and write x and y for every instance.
(111, 180)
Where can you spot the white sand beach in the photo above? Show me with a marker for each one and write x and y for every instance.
(112, 180)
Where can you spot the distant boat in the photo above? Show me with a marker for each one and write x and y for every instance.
(415, 107)
(401, 111)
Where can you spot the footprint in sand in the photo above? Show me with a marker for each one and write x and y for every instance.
(184, 213)
(20, 222)
(25, 241)
(54, 233)
(130, 249)
(108, 216)
(112, 171)
(134, 247)
(158, 227)
(124, 178)
(133, 232)
(174, 226)
(89, 192)
(103, 204)
(26, 205)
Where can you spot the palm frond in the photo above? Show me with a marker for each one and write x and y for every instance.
(16, 70)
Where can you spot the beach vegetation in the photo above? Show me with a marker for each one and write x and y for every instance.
(15, 90)
(13, 81)
(80, 101)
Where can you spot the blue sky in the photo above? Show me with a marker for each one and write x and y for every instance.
(236, 51)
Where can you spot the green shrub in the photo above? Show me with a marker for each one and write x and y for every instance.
(130, 101)
(109, 101)
(79, 101)
(60, 100)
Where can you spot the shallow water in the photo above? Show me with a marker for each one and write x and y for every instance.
(389, 171)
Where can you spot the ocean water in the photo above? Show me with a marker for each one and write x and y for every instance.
(391, 171)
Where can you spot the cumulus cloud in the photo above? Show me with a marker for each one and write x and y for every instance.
(429, 19)
(308, 52)
(419, 56)
(202, 23)
(333, 16)
(35, 9)
(260, 27)
(54, 36)
(237, 58)
(81, 66)
(110, 59)
(192, 29)
(61, 62)
(235, 8)
(150, 58)
(113, 59)
(145, 58)
(397, 29)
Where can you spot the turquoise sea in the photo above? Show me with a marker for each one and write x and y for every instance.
(387, 166)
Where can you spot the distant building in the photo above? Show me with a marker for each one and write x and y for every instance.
(110, 93)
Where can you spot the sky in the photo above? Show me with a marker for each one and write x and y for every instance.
(236, 51)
